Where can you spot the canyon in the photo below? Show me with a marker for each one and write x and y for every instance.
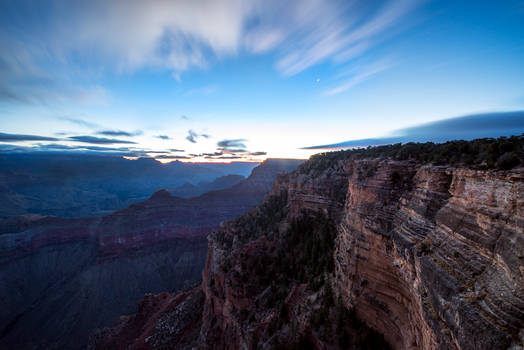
(356, 250)
(80, 185)
(62, 277)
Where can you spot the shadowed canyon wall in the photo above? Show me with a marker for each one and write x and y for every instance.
(430, 257)
(61, 278)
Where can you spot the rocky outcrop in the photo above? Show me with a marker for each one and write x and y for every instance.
(62, 278)
(432, 256)
(345, 249)
(173, 320)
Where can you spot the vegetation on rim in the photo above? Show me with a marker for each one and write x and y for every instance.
(503, 153)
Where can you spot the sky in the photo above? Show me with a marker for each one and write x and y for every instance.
(222, 80)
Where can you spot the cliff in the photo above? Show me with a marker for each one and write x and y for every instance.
(61, 278)
(359, 251)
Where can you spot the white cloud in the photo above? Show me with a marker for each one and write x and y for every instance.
(263, 40)
(175, 35)
(76, 38)
(359, 75)
(184, 34)
(341, 38)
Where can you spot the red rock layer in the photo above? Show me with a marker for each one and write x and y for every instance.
(432, 257)
(429, 256)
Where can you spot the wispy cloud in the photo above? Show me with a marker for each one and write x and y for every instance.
(84, 139)
(171, 156)
(193, 136)
(119, 133)
(55, 147)
(331, 35)
(214, 154)
(21, 137)
(226, 157)
(359, 75)
(459, 128)
(81, 122)
(61, 147)
(229, 149)
(97, 140)
(232, 146)
(163, 137)
(124, 36)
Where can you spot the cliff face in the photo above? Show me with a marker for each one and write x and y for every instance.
(430, 257)
(61, 278)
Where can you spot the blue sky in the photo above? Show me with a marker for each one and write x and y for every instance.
(233, 79)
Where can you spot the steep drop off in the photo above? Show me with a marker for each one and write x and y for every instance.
(60, 278)
(429, 256)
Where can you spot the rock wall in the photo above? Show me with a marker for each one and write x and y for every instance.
(431, 257)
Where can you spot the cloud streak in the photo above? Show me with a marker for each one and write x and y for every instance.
(169, 156)
(21, 137)
(55, 147)
(176, 36)
(119, 133)
(358, 76)
(98, 140)
(81, 122)
(459, 128)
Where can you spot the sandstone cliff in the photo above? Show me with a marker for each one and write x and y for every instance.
(351, 248)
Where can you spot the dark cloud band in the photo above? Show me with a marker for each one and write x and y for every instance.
(21, 137)
(119, 133)
(98, 140)
(460, 128)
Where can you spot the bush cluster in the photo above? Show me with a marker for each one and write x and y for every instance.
(307, 250)
(503, 153)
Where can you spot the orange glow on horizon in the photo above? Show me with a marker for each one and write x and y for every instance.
(221, 161)
(204, 160)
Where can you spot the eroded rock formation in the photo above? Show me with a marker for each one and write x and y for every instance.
(61, 278)
(342, 250)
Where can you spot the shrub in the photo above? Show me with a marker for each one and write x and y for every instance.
(502, 153)
(508, 160)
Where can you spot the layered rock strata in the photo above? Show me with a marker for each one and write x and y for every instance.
(429, 257)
